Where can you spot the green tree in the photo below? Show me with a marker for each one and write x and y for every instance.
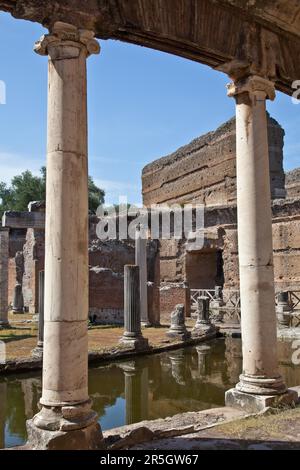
(96, 196)
(26, 187)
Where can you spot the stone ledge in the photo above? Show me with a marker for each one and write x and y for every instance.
(111, 355)
(179, 425)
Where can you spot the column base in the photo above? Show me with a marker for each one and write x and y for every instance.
(37, 352)
(65, 428)
(260, 385)
(201, 330)
(137, 342)
(89, 438)
(4, 325)
(256, 403)
(179, 334)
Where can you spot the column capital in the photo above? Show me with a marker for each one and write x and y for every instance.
(72, 38)
(254, 85)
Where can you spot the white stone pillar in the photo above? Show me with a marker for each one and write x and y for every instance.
(66, 419)
(258, 319)
(141, 262)
(4, 255)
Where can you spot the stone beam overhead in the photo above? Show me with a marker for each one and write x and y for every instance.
(263, 37)
(16, 220)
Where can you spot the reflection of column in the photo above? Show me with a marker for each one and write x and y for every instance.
(66, 419)
(136, 392)
(258, 320)
(141, 261)
(3, 395)
(4, 242)
(203, 352)
(178, 365)
(234, 359)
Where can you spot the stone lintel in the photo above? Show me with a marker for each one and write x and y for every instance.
(251, 403)
(18, 220)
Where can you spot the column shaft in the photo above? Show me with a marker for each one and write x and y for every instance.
(65, 401)
(141, 261)
(258, 319)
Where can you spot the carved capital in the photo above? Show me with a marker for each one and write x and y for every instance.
(66, 35)
(255, 86)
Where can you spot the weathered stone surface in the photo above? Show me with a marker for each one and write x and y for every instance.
(178, 329)
(251, 403)
(204, 171)
(4, 253)
(89, 438)
(132, 309)
(179, 425)
(261, 36)
(292, 183)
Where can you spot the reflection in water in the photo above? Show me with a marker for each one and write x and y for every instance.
(150, 387)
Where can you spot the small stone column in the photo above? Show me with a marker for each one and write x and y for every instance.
(258, 319)
(217, 304)
(132, 309)
(203, 324)
(18, 302)
(66, 420)
(178, 329)
(141, 261)
(4, 254)
(283, 310)
(38, 351)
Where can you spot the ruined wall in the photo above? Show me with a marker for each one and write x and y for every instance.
(17, 238)
(201, 268)
(205, 170)
(34, 261)
(293, 183)
(106, 278)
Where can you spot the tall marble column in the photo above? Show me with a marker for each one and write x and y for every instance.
(258, 320)
(66, 420)
(4, 254)
(141, 262)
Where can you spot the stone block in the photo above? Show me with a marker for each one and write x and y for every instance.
(256, 403)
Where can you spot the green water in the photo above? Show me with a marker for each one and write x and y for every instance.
(150, 387)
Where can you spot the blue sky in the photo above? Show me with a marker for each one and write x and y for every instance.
(143, 104)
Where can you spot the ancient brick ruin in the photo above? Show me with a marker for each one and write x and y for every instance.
(204, 171)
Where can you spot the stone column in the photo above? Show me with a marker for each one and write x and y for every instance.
(141, 261)
(132, 309)
(38, 351)
(66, 420)
(4, 255)
(18, 302)
(283, 310)
(258, 320)
(203, 324)
(178, 329)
